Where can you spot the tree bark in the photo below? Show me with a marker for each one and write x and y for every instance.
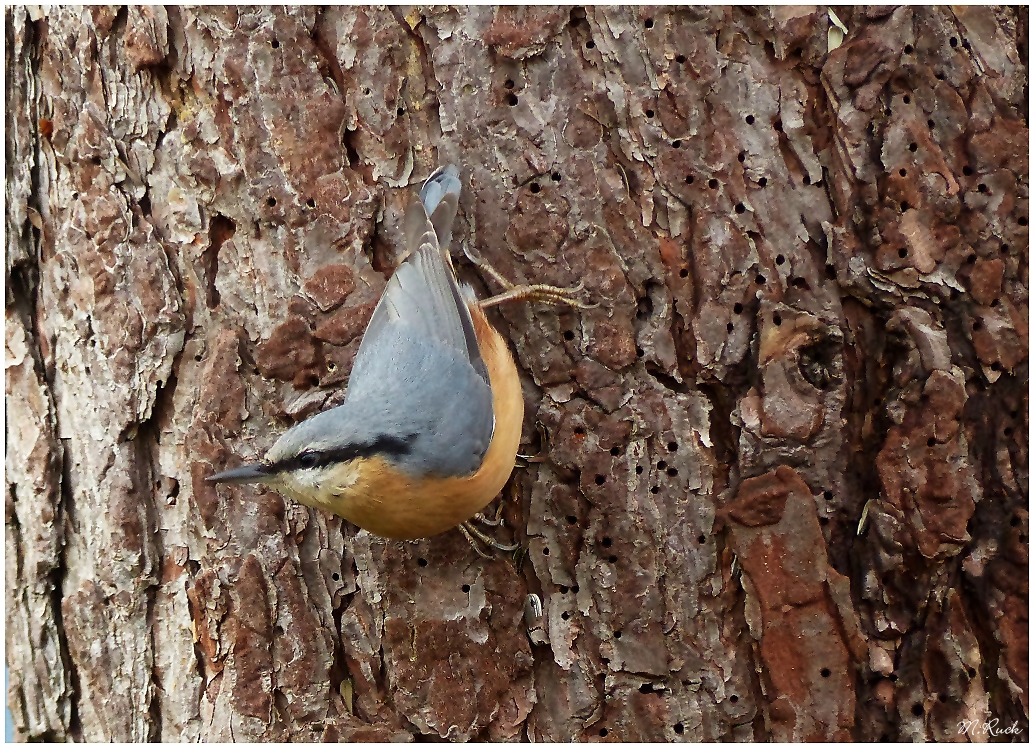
(783, 482)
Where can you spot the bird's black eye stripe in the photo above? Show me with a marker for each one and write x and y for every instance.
(382, 445)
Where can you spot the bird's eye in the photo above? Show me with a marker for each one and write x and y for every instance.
(307, 459)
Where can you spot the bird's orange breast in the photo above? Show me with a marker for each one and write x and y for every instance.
(378, 497)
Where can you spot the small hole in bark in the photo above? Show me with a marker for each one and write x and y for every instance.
(996, 366)
(96, 160)
(977, 324)
(734, 698)
(311, 203)
(568, 335)
(672, 472)
(564, 589)
(400, 111)
(730, 327)
(565, 615)
(913, 147)
(511, 99)
(931, 124)
(825, 672)
(655, 489)
(646, 688)
(807, 179)
(777, 320)
(545, 551)
(902, 252)
(590, 44)
(893, 676)
(1022, 538)
(931, 442)
(613, 559)
(649, 113)
(953, 42)
(689, 179)
(639, 351)
(336, 577)
(1014, 522)
(995, 303)
(661, 465)
(508, 84)
(740, 208)
(831, 272)
(421, 562)
(679, 728)
(742, 157)
(366, 92)
(904, 206)
(939, 76)
(823, 521)
(750, 119)
(271, 202)
(887, 112)
(606, 542)
(574, 588)
(1004, 248)
(701, 539)
(798, 282)
(1022, 221)
(943, 699)
(648, 23)
(971, 259)
(908, 49)
(617, 634)
(907, 99)
(1007, 431)
(763, 182)
(535, 189)
(75, 195)
(737, 308)
(903, 172)
(712, 183)
(465, 588)
(760, 280)
(571, 519)
(638, 469)
(780, 259)
(676, 144)
(971, 672)
(275, 44)
(967, 171)
(600, 480)
(965, 44)
(673, 446)
(917, 709)
(684, 273)
(603, 732)
(680, 59)
(827, 495)
(555, 176)
(615, 451)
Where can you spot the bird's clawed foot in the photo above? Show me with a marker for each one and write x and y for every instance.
(473, 534)
(539, 292)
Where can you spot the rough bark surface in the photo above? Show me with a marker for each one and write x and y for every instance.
(783, 482)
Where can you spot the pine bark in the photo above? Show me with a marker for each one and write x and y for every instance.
(782, 488)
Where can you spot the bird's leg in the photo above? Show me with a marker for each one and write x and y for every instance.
(468, 528)
(470, 539)
(538, 292)
(543, 453)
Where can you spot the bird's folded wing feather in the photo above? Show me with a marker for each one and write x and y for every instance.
(423, 296)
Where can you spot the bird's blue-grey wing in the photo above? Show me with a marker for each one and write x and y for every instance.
(419, 359)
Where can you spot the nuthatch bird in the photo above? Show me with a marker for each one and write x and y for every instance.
(428, 433)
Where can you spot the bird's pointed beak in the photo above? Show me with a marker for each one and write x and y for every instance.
(254, 472)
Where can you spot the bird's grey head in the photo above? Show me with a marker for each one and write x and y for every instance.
(316, 451)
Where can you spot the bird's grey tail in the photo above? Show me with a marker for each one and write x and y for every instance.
(440, 195)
